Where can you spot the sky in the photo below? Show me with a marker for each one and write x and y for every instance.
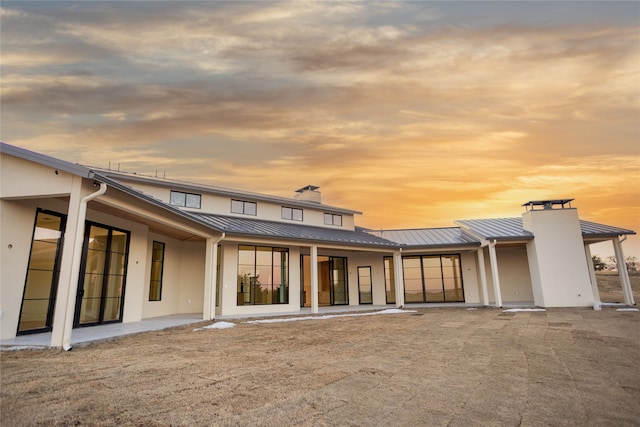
(415, 113)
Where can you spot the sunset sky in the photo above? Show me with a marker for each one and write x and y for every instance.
(416, 113)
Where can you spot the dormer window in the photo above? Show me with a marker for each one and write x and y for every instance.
(333, 219)
(293, 214)
(242, 207)
(187, 200)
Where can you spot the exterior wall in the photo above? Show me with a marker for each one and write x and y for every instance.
(182, 278)
(557, 281)
(470, 280)
(375, 260)
(221, 205)
(17, 220)
(513, 271)
(21, 178)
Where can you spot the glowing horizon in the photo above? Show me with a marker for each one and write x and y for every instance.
(416, 113)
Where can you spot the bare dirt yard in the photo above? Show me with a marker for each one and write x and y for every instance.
(436, 366)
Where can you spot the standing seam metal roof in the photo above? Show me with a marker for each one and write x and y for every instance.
(511, 229)
(273, 229)
(428, 237)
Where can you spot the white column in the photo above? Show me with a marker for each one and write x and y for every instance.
(314, 279)
(483, 276)
(592, 277)
(398, 278)
(494, 273)
(70, 264)
(209, 308)
(622, 272)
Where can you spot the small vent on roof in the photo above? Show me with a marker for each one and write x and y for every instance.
(309, 193)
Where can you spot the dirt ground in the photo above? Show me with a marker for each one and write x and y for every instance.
(436, 366)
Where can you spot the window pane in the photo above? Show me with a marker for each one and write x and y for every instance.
(193, 201)
(157, 260)
(250, 208)
(33, 314)
(178, 198)
(39, 284)
(297, 214)
(328, 219)
(237, 206)
(118, 242)
(337, 220)
(43, 255)
(112, 309)
(287, 213)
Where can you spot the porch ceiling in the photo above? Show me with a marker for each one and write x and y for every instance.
(154, 226)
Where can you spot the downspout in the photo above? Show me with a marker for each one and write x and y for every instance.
(75, 265)
(214, 274)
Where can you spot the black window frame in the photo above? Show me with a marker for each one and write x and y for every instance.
(185, 203)
(153, 265)
(290, 216)
(333, 219)
(244, 205)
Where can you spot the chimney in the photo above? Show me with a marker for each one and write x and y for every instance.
(309, 193)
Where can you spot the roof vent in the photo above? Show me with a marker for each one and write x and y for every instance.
(309, 193)
(548, 204)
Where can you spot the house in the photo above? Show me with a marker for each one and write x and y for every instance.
(86, 246)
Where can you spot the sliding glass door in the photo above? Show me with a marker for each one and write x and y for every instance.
(333, 288)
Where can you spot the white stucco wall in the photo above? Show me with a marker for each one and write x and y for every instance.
(559, 270)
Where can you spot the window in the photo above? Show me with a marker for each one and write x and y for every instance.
(242, 207)
(188, 200)
(294, 214)
(433, 278)
(263, 275)
(333, 219)
(38, 300)
(364, 285)
(389, 280)
(157, 264)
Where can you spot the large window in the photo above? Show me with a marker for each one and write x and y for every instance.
(188, 200)
(263, 275)
(157, 264)
(364, 285)
(433, 278)
(242, 207)
(38, 300)
(333, 219)
(389, 280)
(101, 287)
(293, 214)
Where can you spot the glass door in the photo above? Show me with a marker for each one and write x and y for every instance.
(332, 281)
(102, 277)
(39, 297)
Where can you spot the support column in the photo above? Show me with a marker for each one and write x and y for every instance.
(314, 279)
(209, 309)
(493, 258)
(70, 264)
(622, 271)
(398, 278)
(483, 276)
(592, 277)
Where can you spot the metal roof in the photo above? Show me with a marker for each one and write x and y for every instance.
(428, 237)
(595, 230)
(511, 229)
(273, 229)
(496, 228)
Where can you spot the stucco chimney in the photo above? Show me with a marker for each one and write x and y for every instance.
(309, 193)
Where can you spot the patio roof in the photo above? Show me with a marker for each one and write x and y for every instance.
(511, 229)
(264, 228)
(428, 237)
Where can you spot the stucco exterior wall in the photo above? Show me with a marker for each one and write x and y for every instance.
(560, 274)
(21, 178)
(470, 281)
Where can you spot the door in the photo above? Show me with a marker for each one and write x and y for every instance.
(332, 281)
(102, 277)
(39, 297)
